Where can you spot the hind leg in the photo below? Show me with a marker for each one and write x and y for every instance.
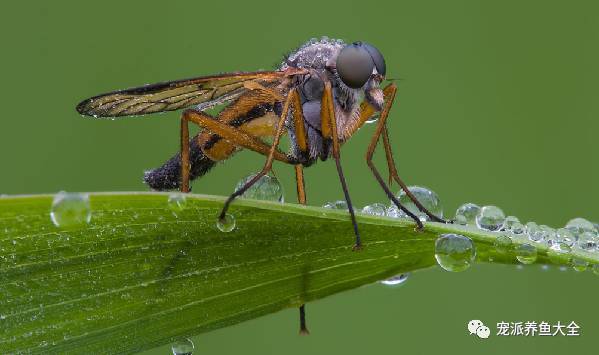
(232, 134)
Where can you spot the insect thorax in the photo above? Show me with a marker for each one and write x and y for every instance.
(318, 56)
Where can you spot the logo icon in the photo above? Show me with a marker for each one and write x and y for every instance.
(477, 327)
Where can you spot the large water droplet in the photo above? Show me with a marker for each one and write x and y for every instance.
(564, 235)
(559, 253)
(70, 209)
(548, 234)
(396, 280)
(394, 212)
(466, 214)
(183, 347)
(376, 209)
(510, 222)
(227, 224)
(454, 252)
(337, 205)
(427, 198)
(503, 244)
(534, 232)
(526, 253)
(580, 225)
(579, 264)
(587, 241)
(490, 218)
(266, 188)
(177, 202)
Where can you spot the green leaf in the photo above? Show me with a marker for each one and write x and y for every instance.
(139, 275)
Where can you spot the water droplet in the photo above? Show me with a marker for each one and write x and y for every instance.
(454, 252)
(548, 234)
(518, 228)
(579, 264)
(559, 253)
(564, 235)
(580, 225)
(426, 197)
(509, 223)
(503, 244)
(266, 188)
(177, 202)
(534, 232)
(227, 224)
(396, 280)
(466, 214)
(373, 118)
(337, 205)
(587, 241)
(376, 209)
(70, 209)
(490, 218)
(182, 347)
(526, 253)
(394, 212)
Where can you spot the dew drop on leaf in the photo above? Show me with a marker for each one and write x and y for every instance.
(396, 280)
(227, 224)
(587, 241)
(490, 218)
(426, 197)
(579, 264)
(182, 347)
(376, 209)
(534, 232)
(70, 209)
(526, 253)
(564, 235)
(454, 252)
(177, 202)
(337, 205)
(466, 214)
(510, 222)
(503, 244)
(267, 188)
(580, 225)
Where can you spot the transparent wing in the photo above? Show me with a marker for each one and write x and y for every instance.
(173, 95)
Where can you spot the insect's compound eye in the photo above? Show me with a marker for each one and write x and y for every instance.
(355, 65)
(377, 58)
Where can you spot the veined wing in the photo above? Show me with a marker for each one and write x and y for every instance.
(174, 95)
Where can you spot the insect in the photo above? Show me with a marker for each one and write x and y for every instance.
(315, 97)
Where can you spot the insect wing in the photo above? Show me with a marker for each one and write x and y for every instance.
(169, 96)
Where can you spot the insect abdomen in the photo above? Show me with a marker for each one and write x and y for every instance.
(168, 176)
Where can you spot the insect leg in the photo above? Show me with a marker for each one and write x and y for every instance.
(301, 198)
(302, 143)
(273, 153)
(390, 91)
(184, 154)
(393, 174)
(329, 131)
(230, 133)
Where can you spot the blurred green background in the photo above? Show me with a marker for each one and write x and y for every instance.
(498, 106)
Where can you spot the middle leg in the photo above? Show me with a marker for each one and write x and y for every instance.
(301, 198)
(269, 160)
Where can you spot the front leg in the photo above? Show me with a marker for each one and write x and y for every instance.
(389, 92)
(329, 131)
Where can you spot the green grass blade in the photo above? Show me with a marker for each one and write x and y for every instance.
(137, 275)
